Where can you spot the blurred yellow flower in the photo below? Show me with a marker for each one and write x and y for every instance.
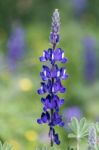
(25, 84)
(31, 135)
(15, 144)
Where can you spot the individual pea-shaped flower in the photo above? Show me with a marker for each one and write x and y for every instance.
(54, 72)
(52, 102)
(51, 85)
(53, 56)
(54, 136)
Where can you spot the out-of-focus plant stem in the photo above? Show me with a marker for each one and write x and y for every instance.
(78, 146)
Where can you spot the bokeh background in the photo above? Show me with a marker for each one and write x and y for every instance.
(24, 34)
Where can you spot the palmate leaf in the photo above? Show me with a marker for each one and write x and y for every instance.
(83, 127)
(74, 125)
(79, 128)
(71, 135)
(5, 146)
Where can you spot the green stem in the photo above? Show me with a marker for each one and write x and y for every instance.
(96, 148)
(78, 146)
(54, 45)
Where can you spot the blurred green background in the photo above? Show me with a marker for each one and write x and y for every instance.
(24, 33)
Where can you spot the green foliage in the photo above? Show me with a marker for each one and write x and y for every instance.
(69, 148)
(93, 148)
(52, 148)
(46, 148)
(5, 146)
(97, 127)
(79, 128)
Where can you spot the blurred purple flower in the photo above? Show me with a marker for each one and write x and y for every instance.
(92, 137)
(70, 112)
(90, 58)
(16, 46)
(78, 7)
(43, 137)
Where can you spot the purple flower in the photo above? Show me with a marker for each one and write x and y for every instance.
(58, 87)
(45, 117)
(52, 85)
(16, 46)
(92, 137)
(54, 35)
(54, 72)
(71, 112)
(52, 102)
(53, 56)
(90, 58)
(54, 136)
(79, 7)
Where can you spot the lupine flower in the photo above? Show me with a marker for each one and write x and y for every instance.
(92, 137)
(51, 84)
(16, 46)
(90, 58)
(78, 7)
(70, 112)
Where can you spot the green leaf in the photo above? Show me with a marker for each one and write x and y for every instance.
(46, 148)
(74, 125)
(97, 126)
(83, 127)
(79, 129)
(0, 145)
(5, 146)
(71, 135)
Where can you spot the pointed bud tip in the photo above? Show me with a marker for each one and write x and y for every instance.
(56, 9)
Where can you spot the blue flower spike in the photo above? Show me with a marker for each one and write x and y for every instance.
(51, 84)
